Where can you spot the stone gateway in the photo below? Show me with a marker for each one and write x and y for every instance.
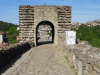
(31, 16)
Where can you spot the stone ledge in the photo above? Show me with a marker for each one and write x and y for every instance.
(8, 53)
(84, 57)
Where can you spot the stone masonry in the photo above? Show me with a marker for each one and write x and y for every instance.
(84, 57)
(31, 15)
(8, 53)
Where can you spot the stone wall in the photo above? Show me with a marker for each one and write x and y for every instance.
(32, 15)
(84, 57)
(61, 41)
(8, 53)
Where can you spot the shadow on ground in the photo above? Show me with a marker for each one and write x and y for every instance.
(11, 63)
(43, 42)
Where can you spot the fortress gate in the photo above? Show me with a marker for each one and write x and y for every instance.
(30, 16)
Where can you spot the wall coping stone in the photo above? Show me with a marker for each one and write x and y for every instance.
(10, 52)
(87, 54)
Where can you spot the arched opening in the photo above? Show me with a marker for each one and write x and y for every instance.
(45, 23)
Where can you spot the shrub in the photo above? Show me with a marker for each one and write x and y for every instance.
(72, 67)
(14, 41)
(50, 34)
(90, 34)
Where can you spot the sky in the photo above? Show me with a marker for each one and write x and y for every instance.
(81, 11)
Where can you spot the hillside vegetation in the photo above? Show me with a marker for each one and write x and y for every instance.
(10, 31)
(4, 26)
(90, 34)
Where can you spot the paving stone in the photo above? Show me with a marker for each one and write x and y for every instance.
(44, 60)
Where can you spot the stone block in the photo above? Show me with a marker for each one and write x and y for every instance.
(10, 52)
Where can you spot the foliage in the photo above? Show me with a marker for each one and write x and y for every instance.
(72, 66)
(90, 34)
(66, 58)
(4, 26)
(76, 73)
(13, 41)
(50, 34)
(10, 31)
(13, 33)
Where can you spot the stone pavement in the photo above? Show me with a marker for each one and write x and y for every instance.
(43, 38)
(42, 60)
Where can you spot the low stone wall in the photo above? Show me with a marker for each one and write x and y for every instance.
(10, 52)
(84, 57)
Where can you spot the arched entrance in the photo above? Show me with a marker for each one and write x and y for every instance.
(45, 23)
(31, 16)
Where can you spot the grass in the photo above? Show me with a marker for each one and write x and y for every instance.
(72, 67)
(76, 73)
(66, 58)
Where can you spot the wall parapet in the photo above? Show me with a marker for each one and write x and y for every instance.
(8, 53)
(84, 57)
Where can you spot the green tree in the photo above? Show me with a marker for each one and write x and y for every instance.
(90, 34)
(13, 33)
(12, 30)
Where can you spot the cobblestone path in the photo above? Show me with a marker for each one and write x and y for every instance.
(44, 60)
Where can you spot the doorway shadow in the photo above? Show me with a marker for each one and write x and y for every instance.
(43, 42)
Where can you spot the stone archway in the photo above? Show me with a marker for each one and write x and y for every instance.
(44, 23)
(31, 15)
